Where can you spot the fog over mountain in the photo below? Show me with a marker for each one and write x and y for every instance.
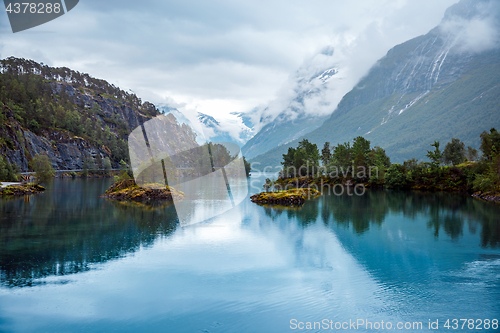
(433, 87)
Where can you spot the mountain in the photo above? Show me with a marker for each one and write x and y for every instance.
(217, 131)
(303, 104)
(280, 131)
(237, 130)
(442, 85)
(67, 115)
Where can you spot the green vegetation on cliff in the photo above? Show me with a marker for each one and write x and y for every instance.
(62, 105)
(7, 171)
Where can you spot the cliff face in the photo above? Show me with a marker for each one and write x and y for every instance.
(66, 152)
(129, 114)
(84, 118)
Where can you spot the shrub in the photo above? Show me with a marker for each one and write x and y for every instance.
(395, 176)
(483, 183)
(43, 168)
(7, 170)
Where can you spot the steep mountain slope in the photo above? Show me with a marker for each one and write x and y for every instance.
(434, 87)
(281, 131)
(64, 114)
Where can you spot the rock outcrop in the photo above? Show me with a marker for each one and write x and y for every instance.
(128, 190)
(67, 152)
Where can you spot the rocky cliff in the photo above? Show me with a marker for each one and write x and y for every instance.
(64, 114)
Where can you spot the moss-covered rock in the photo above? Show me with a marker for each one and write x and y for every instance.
(488, 196)
(128, 190)
(22, 189)
(293, 197)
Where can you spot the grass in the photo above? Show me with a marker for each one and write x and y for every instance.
(128, 190)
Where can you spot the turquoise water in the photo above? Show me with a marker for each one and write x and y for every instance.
(72, 262)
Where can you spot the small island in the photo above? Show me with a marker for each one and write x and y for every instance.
(292, 197)
(21, 189)
(128, 190)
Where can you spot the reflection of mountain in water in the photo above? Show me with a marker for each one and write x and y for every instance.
(445, 212)
(69, 229)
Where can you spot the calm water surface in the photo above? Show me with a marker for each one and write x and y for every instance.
(72, 262)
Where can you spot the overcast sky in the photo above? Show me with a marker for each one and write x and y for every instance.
(216, 56)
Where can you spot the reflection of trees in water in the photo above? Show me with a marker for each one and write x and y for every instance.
(446, 212)
(452, 212)
(360, 211)
(307, 214)
(70, 228)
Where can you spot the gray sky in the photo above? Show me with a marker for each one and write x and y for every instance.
(217, 56)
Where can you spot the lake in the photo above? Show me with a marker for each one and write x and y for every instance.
(73, 262)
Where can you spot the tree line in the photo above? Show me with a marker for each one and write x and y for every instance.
(31, 100)
(356, 159)
(25, 67)
(454, 168)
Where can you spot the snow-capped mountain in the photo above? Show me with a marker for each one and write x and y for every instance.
(232, 130)
(302, 105)
(207, 128)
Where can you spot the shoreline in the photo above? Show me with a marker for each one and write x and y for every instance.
(490, 196)
(322, 182)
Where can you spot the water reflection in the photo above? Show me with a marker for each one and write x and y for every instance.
(398, 256)
(424, 249)
(448, 213)
(69, 228)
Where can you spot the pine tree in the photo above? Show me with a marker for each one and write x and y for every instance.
(326, 154)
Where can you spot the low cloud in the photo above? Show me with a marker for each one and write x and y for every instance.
(474, 31)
